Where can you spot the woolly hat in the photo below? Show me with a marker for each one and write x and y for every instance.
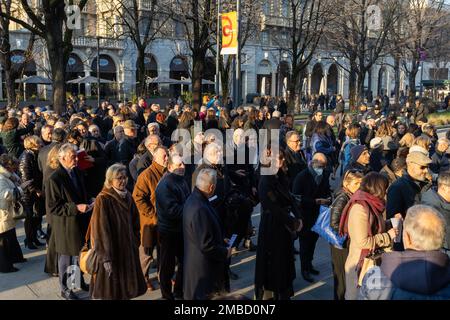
(356, 151)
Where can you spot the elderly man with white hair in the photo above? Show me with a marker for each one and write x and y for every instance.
(151, 143)
(422, 271)
(67, 202)
(440, 159)
(205, 251)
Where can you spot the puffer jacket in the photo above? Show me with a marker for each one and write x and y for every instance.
(338, 205)
(171, 194)
(9, 194)
(29, 170)
(408, 275)
(12, 142)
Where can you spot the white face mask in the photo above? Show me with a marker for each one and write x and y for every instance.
(319, 171)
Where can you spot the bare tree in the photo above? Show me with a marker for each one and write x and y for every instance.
(15, 70)
(250, 13)
(305, 27)
(49, 22)
(420, 34)
(198, 18)
(353, 36)
(142, 22)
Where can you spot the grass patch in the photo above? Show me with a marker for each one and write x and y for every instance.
(439, 119)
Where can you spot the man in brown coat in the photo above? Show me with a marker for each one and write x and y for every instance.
(145, 199)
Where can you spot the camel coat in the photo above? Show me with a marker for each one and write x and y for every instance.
(145, 198)
(360, 239)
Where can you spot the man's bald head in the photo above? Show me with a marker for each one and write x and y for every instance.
(319, 158)
(331, 120)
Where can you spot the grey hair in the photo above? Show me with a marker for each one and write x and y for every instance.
(65, 149)
(117, 128)
(206, 178)
(291, 133)
(92, 127)
(444, 179)
(443, 140)
(153, 124)
(425, 236)
(147, 140)
(113, 172)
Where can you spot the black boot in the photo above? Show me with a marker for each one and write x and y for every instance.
(29, 245)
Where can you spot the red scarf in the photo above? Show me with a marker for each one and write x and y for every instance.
(372, 204)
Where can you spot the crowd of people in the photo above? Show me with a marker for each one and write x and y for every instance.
(125, 181)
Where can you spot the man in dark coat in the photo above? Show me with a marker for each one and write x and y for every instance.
(407, 190)
(294, 157)
(205, 252)
(440, 159)
(67, 202)
(128, 147)
(312, 184)
(171, 194)
(112, 146)
(151, 143)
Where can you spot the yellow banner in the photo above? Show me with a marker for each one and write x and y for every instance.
(229, 33)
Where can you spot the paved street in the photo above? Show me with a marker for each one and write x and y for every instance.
(31, 283)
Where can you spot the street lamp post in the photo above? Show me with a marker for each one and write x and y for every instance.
(421, 80)
(218, 48)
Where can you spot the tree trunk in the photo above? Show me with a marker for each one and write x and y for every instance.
(397, 79)
(352, 87)
(412, 80)
(360, 89)
(197, 75)
(293, 93)
(58, 67)
(140, 73)
(10, 88)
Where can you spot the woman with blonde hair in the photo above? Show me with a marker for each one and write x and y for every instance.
(51, 259)
(386, 132)
(405, 143)
(350, 184)
(363, 222)
(29, 171)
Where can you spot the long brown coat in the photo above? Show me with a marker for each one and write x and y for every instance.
(145, 198)
(115, 237)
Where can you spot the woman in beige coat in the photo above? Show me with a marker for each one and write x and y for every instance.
(363, 221)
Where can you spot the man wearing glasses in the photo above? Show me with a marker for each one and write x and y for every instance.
(294, 157)
(408, 190)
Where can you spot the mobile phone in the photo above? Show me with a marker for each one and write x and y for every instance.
(232, 240)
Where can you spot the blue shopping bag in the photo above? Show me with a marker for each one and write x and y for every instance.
(322, 228)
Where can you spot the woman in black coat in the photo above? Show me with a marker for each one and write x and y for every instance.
(275, 261)
(29, 170)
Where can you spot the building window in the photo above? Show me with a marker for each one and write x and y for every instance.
(265, 38)
(284, 8)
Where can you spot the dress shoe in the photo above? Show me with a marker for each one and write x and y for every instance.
(307, 276)
(21, 260)
(233, 276)
(42, 235)
(13, 269)
(38, 243)
(314, 271)
(29, 245)
(69, 295)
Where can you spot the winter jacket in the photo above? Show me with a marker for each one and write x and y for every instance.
(28, 170)
(403, 194)
(171, 194)
(9, 194)
(336, 208)
(12, 142)
(409, 275)
(345, 156)
(432, 198)
(440, 162)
